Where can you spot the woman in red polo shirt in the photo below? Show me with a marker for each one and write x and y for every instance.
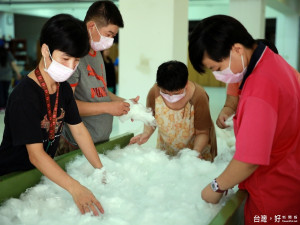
(267, 121)
(233, 92)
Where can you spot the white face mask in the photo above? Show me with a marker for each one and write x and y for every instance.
(57, 71)
(172, 98)
(227, 76)
(104, 43)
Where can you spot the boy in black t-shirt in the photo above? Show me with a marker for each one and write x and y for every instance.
(39, 106)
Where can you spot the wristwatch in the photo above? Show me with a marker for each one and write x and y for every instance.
(215, 187)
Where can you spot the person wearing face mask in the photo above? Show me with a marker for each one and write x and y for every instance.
(267, 121)
(181, 110)
(42, 103)
(96, 104)
(233, 92)
(233, 84)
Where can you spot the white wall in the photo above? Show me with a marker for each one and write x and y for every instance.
(155, 31)
(198, 10)
(7, 25)
(242, 10)
(285, 12)
(287, 38)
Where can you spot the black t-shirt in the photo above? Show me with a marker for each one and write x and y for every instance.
(26, 122)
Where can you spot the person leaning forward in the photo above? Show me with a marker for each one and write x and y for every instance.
(96, 104)
(267, 121)
(42, 103)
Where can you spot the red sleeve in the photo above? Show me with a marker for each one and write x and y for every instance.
(256, 121)
(233, 89)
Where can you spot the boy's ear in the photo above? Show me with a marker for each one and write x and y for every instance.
(90, 24)
(45, 50)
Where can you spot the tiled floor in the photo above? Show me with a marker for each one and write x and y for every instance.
(216, 95)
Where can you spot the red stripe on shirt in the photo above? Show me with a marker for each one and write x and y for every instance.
(74, 85)
(93, 55)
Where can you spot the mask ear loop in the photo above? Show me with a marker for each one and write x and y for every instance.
(45, 60)
(243, 61)
(91, 35)
(45, 64)
(50, 54)
(98, 30)
(229, 60)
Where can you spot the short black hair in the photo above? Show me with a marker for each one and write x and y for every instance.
(215, 35)
(65, 33)
(104, 13)
(268, 43)
(172, 75)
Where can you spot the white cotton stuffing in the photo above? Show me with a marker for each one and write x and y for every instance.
(143, 186)
(229, 122)
(140, 113)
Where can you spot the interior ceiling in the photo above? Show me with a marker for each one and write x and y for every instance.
(42, 1)
(11, 2)
(283, 6)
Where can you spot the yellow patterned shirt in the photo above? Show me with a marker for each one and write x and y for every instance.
(176, 128)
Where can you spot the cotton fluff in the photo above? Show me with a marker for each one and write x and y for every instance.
(229, 122)
(143, 186)
(139, 112)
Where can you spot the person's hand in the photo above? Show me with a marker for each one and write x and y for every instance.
(85, 200)
(205, 154)
(210, 196)
(200, 156)
(139, 139)
(119, 108)
(225, 113)
(135, 100)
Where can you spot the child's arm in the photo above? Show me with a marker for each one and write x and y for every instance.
(148, 130)
(201, 141)
(86, 144)
(235, 173)
(143, 137)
